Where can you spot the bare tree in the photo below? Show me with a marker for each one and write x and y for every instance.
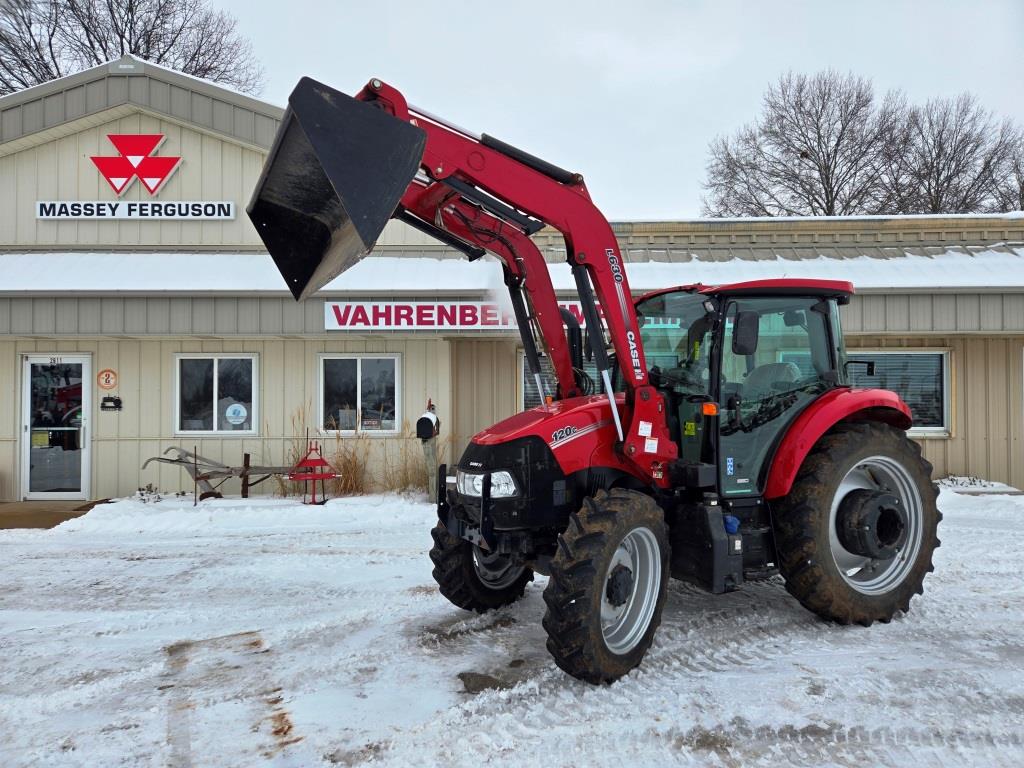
(1009, 187)
(44, 39)
(957, 156)
(819, 148)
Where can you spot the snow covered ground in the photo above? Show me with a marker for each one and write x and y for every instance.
(265, 633)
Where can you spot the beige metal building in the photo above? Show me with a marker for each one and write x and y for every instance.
(138, 310)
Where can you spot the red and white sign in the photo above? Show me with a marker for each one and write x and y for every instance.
(136, 160)
(106, 379)
(424, 315)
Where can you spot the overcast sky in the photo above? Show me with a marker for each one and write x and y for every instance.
(630, 93)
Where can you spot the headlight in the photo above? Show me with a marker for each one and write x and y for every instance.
(502, 484)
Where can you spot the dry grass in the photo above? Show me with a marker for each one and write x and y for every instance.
(350, 460)
(363, 461)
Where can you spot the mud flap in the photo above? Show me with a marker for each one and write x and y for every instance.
(334, 176)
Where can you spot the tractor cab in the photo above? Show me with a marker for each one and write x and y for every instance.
(736, 365)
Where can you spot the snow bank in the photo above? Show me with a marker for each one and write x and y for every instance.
(172, 514)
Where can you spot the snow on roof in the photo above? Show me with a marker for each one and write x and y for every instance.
(923, 217)
(986, 269)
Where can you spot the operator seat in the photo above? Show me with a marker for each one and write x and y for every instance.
(769, 379)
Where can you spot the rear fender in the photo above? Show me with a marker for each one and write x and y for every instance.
(817, 419)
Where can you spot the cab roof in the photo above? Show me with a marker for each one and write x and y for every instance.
(774, 287)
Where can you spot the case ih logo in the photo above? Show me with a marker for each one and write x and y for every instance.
(136, 159)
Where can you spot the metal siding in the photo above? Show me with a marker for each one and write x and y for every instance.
(135, 315)
(968, 312)
(264, 129)
(991, 312)
(5, 316)
(158, 315)
(138, 90)
(897, 313)
(67, 315)
(160, 96)
(112, 316)
(248, 315)
(222, 116)
(44, 315)
(944, 316)
(90, 315)
(95, 96)
(212, 169)
(1013, 312)
(181, 315)
(21, 316)
(484, 386)
(244, 123)
(74, 102)
(179, 103)
(203, 315)
(10, 124)
(271, 316)
(225, 315)
(53, 110)
(202, 110)
(32, 117)
(117, 90)
(920, 313)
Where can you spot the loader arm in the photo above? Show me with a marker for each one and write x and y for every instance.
(435, 205)
(462, 162)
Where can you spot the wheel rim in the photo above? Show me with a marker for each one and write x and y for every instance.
(864, 574)
(495, 571)
(623, 626)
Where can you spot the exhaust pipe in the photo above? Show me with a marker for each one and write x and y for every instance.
(334, 176)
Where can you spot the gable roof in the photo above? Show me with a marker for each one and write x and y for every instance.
(67, 104)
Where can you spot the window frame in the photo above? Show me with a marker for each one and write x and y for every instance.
(946, 431)
(324, 356)
(215, 356)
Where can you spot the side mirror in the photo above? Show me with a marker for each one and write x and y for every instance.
(744, 333)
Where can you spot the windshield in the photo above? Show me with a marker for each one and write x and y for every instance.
(674, 328)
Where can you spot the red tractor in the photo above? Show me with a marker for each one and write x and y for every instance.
(721, 441)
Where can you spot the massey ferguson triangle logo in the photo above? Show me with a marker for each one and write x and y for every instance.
(136, 159)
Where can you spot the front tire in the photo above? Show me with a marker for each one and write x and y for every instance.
(473, 579)
(856, 534)
(609, 580)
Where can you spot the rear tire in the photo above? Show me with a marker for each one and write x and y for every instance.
(820, 570)
(609, 580)
(472, 578)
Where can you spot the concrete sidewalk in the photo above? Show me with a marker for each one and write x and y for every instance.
(41, 514)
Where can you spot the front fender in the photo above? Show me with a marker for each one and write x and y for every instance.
(818, 418)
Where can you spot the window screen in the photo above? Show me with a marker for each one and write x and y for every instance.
(918, 377)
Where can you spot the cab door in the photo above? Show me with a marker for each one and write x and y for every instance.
(776, 360)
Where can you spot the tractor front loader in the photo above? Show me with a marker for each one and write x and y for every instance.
(719, 442)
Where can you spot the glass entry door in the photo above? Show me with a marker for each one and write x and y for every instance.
(55, 413)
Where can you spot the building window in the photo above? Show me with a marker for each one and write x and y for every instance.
(920, 378)
(360, 393)
(216, 393)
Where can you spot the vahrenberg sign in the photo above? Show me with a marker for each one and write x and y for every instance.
(104, 209)
(423, 315)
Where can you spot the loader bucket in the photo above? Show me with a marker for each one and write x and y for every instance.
(333, 178)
